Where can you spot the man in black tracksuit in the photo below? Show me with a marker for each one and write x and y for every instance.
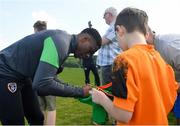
(89, 65)
(38, 57)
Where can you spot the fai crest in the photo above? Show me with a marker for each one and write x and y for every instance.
(12, 87)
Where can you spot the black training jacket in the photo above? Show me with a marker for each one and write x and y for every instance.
(39, 56)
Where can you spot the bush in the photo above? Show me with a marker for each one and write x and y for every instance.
(72, 62)
(75, 62)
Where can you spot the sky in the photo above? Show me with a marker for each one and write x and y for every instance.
(18, 16)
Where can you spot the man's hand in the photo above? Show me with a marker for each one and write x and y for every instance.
(86, 90)
(97, 96)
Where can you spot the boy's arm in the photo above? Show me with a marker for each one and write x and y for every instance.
(117, 113)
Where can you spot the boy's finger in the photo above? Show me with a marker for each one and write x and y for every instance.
(90, 92)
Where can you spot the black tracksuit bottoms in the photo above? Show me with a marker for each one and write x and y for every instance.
(18, 100)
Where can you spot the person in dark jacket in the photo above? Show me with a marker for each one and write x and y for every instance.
(89, 65)
(39, 57)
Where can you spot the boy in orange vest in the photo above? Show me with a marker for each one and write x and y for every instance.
(143, 85)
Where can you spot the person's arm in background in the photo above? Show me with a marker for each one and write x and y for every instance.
(178, 88)
(168, 46)
(45, 82)
(174, 58)
(109, 36)
(105, 41)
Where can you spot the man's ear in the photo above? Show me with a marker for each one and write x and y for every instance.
(121, 30)
(84, 38)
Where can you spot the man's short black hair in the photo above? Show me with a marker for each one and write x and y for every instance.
(40, 25)
(95, 34)
(133, 19)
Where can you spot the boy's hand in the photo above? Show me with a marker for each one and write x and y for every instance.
(97, 96)
(86, 90)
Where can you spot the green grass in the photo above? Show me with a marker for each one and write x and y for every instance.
(172, 120)
(69, 110)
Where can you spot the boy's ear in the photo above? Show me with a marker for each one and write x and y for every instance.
(121, 30)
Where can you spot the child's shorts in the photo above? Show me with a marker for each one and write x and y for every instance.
(177, 107)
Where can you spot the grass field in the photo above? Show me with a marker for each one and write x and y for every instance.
(69, 110)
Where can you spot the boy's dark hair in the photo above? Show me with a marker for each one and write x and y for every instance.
(95, 34)
(40, 25)
(133, 19)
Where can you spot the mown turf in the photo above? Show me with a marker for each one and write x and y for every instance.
(71, 111)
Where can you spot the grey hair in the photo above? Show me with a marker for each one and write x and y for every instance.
(111, 10)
